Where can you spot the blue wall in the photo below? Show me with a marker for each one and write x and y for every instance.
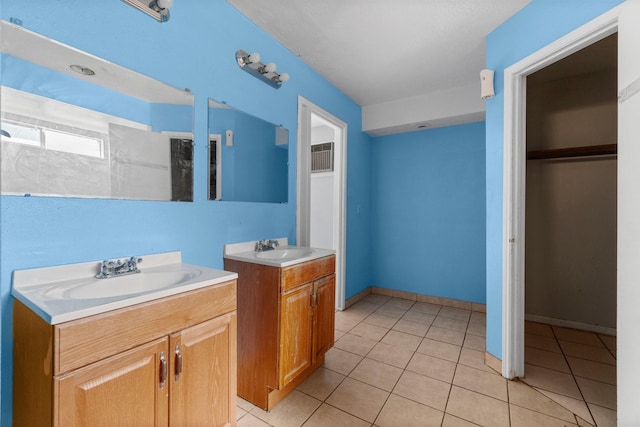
(429, 212)
(196, 50)
(534, 27)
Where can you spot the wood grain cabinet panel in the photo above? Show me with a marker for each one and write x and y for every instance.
(178, 371)
(285, 325)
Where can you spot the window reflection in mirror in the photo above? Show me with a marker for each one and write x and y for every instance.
(248, 157)
(115, 134)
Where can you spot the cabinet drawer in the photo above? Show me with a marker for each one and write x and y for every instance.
(306, 272)
(83, 341)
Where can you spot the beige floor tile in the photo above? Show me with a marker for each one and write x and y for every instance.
(584, 423)
(240, 413)
(455, 313)
(352, 314)
(399, 411)
(536, 328)
(246, 405)
(527, 397)
(448, 323)
(583, 351)
(341, 361)
(359, 399)
(577, 406)
(413, 328)
(439, 349)
(425, 390)
(474, 342)
(425, 307)
(433, 367)
(593, 370)
(598, 393)
(327, 415)
(609, 341)
(478, 318)
(446, 335)
(477, 329)
(521, 417)
(451, 421)
(377, 374)
(292, 411)
(604, 417)
(376, 299)
(337, 335)
(551, 380)
(251, 421)
(380, 320)
(344, 324)
(546, 359)
(474, 359)
(393, 312)
(391, 355)
(402, 340)
(368, 331)
(364, 307)
(355, 344)
(401, 303)
(419, 317)
(481, 381)
(541, 342)
(580, 337)
(321, 383)
(477, 408)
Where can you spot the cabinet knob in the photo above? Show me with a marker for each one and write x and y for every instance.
(163, 369)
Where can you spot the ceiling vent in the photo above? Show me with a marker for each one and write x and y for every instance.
(322, 157)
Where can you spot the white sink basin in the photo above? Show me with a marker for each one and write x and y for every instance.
(285, 253)
(131, 284)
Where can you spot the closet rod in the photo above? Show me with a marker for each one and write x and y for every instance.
(558, 153)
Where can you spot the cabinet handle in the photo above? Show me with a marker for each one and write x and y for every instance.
(163, 369)
(178, 362)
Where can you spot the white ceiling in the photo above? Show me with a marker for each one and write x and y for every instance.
(384, 51)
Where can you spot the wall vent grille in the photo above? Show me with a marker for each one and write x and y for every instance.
(322, 157)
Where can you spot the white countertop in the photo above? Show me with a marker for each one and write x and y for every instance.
(246, 252)
(49, 291)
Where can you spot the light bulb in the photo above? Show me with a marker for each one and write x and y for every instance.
(270, 67)
(164, 4)
(284, 77)
(253, 58)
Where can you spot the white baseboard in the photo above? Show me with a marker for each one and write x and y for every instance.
(571, 324)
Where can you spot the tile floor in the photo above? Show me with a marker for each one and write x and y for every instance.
(403, 363)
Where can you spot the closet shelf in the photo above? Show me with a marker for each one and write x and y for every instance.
(558, 153)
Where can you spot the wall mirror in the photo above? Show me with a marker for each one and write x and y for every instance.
(248, 157)
(74, 125)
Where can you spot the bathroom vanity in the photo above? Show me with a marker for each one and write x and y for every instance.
(165, 356)
(286, 312)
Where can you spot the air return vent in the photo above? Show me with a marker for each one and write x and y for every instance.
(322, 157)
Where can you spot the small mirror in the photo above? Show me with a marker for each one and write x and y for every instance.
(248, 157)
(74, 125)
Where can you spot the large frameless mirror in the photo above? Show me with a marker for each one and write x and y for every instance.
(248, 157)
(74, 125)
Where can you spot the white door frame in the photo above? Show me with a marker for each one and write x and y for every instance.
(514, 170)
(303, 189)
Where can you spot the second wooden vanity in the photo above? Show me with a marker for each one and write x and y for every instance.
(285, 325)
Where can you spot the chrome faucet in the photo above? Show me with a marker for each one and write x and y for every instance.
(110, 268)
(266, 245)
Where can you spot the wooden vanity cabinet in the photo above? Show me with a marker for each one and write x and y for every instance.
(285, 325)
(168, 362)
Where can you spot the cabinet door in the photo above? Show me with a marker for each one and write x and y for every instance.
(203, 374)
(123, 390)
(324, 315)
(295, 333)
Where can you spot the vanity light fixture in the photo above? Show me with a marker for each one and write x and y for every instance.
(265, 72)
(158, 9)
